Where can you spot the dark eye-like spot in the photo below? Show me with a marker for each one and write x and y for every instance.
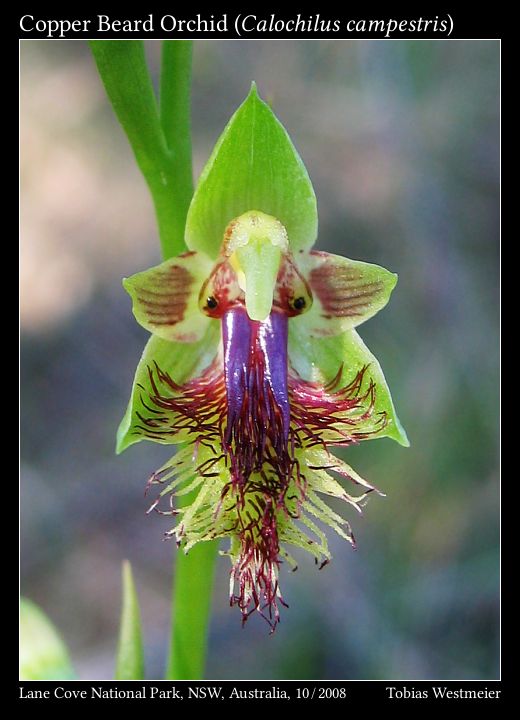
(299, 303)
(211, 302)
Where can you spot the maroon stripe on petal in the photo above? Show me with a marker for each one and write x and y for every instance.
(150, 294)
(341, 291)
(167, 304)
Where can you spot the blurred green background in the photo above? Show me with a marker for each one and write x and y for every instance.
(401, 140)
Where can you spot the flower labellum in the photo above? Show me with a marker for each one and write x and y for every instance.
(254, 369)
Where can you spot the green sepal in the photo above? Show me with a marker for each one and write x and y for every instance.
(320, 361)
(43, 655)
(180, 360)
(254, 166)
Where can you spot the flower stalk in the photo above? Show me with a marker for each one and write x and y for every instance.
(159, 133)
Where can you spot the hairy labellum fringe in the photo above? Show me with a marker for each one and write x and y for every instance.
(254, 444)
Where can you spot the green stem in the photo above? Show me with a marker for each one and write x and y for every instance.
(124, 72)
(193, 577)
(192, 591)
(175, 116)
(160, 137)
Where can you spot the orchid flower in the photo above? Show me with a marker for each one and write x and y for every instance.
(254, 369)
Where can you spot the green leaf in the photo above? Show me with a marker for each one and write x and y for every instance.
(130, 658)
(320, 361)
(254, 166)
(345, 292)
(180, 360)
(43, 655)
(123, 70)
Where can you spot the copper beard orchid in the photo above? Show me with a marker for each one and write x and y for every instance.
(254, 369)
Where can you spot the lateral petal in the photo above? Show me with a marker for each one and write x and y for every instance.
(165, 297)
(345, 292)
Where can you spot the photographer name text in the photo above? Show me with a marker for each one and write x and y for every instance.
(233, 692)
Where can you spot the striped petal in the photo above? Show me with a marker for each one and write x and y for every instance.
(345, 292)
(165, 298)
